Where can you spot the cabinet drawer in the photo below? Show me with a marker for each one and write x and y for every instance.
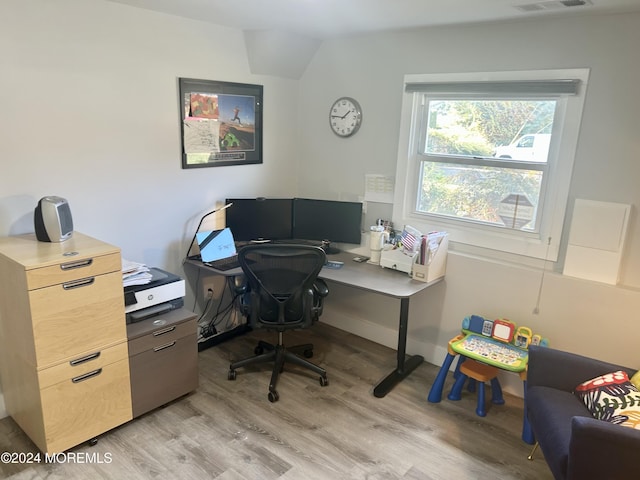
(76, 411)
(77, 317)
(162, 336)
(73, 269)
(163, 374)
(82, 364)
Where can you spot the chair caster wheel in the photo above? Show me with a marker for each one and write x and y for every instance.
(324, 381)
(231, 375)
(93, 442)
(308, 353)
(273, 396)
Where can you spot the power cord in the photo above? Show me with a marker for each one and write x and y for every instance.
(536, 308)
(206, 329)
(223, 314)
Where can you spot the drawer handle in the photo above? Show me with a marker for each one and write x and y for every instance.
(162, 347)
(83, 282)
(86, 376)
(76, 264)
(87, 358)
(157, 333)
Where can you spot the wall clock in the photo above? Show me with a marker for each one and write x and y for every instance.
(345, 117)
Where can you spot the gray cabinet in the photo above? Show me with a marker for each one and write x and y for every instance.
(163, 358)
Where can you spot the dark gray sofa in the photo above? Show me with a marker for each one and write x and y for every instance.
(575, 445)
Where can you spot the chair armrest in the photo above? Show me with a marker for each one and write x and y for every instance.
(240, 285)
(600, 449)
(553, 368)
(320, 287)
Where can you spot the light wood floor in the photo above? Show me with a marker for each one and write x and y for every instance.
(229, 430)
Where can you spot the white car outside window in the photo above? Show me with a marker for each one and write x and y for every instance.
(534, 147)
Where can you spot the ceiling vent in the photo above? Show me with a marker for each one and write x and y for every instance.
(553, 5)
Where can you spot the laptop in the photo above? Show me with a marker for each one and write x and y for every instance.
(216, 245)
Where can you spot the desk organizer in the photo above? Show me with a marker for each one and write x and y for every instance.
(436, 266)
(396, 259)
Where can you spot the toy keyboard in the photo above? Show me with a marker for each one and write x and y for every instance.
(492, 352)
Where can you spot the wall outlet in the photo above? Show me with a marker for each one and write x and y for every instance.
(208, 286)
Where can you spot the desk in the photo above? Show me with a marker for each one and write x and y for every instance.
(374, 279)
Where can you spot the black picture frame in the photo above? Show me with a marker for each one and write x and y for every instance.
(220, 123)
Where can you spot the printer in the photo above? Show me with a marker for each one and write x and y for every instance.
(165, 292)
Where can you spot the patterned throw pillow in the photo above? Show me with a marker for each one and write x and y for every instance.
(636, 380)
(612, 398)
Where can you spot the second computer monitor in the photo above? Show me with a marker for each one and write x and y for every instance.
(327, 220)
(259, 218)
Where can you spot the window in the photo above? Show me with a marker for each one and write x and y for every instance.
(490, 161)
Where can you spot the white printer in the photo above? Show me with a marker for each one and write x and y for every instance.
(165, 292)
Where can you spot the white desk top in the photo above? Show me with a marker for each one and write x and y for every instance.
(373, 277)
(359, 275)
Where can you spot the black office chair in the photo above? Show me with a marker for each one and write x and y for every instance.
(281, 292)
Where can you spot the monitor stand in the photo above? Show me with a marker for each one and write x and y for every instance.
(328, 249)
(324, 244)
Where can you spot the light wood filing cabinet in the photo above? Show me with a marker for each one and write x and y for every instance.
(64, 363)
(163, 355)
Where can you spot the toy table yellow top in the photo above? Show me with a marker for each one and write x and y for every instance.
(490, 351)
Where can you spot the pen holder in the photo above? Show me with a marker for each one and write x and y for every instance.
(436, 267)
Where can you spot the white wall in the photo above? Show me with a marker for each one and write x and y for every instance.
(585, 317)
(89, 111)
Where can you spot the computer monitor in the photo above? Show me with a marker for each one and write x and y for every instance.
(327, 220)
(259, 218)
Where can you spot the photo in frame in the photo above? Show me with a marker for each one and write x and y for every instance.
(220, 123)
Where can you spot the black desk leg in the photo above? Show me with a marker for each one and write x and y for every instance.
(405, 366)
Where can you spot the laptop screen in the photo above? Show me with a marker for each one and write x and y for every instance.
(215, 245)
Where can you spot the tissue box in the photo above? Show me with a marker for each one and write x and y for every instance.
(395, 259)
(437, 265)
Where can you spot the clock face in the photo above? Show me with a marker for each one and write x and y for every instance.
(345, 117)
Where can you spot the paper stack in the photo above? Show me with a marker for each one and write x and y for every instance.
(134, 273)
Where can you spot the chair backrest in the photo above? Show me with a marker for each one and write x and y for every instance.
(280, 282)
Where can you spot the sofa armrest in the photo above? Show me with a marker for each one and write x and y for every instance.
(553, 368)
(600, 449)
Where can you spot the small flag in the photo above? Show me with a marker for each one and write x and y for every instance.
(410, 238)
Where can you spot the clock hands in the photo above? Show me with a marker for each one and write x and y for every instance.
(341, 117)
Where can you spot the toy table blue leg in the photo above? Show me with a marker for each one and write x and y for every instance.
(496, 392)
(480, 409)
(471, 386)
(435, 394)
(461, 359)
(456, 390)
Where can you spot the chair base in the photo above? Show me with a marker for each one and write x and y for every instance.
(279, 354)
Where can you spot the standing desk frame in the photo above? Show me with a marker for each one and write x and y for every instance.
(375, 279)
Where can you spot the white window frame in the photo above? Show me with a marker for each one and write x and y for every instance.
(543, 244)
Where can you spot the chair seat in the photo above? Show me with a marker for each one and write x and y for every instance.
(479, 371)
(482, 373)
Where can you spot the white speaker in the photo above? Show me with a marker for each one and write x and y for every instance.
(52, 220)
